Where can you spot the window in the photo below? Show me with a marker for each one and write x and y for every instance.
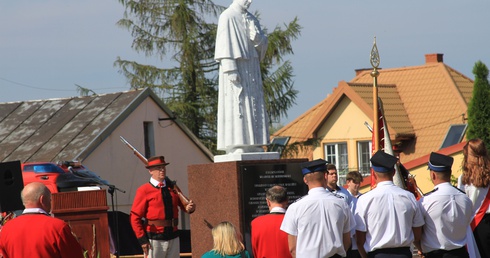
(278, 144)
(363, 157)
(149, 139)
(337, 155)
(454, 135)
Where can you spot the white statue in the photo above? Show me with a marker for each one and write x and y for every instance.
(240, 46)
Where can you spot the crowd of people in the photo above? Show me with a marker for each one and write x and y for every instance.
(153, 217)
(387, 221)
(330, 221)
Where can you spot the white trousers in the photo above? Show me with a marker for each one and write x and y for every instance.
(164, 248)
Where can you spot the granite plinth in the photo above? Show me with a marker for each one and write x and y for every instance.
(222, 192)
(247, 156)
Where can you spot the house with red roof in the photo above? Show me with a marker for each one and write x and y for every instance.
(425, 107)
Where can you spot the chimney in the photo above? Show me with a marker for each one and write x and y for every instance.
(433, 58)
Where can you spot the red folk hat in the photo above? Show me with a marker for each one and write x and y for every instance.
(156, 161)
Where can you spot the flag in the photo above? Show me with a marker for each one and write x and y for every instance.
(386, 146)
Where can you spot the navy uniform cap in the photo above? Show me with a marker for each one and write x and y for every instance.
(313, 166)
(383, 162)
(440, 163)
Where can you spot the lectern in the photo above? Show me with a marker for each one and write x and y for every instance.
(86, 213)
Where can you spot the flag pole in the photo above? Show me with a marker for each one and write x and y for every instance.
(374, 58)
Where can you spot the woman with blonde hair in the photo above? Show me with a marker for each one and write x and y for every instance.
(476, 181)
(227, 243)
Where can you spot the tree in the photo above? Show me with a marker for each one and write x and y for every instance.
(177, 31)
(479, 107)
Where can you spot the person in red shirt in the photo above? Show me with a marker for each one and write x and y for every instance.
(35, 233)
(155, 213)
(267, 239)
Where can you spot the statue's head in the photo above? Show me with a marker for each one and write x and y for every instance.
(243, 3)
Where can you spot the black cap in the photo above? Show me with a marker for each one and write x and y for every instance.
(440, 163)
(383, 162)
(314, 166)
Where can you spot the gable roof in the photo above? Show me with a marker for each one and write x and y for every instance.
(419, 101)
(69, 128)
(305, 126)
(394, 112)
(434, 96)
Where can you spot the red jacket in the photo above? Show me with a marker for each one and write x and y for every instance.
(267, 239)
(38, 235)
(148, 203)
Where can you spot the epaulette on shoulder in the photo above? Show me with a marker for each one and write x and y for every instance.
(338, 196)
(428, 193)
(299, 198)
(459, 189)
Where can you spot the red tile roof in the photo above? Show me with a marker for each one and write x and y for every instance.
(419, 101)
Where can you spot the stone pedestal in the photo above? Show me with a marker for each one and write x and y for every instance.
(235, 191)
(247, 156)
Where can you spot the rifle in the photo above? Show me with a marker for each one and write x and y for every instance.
(135, 151)
(184, 200)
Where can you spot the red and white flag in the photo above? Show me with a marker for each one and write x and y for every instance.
(384, 145)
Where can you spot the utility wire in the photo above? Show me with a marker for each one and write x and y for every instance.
(50, 89)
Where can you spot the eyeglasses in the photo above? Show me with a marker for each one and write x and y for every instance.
(159, 168)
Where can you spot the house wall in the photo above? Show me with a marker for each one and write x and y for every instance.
(422, 174)
(114, 161)
(345, 124)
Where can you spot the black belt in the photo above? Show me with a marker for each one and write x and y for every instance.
(168, 229)
(162, 236)
(459, 252)
(397, 250)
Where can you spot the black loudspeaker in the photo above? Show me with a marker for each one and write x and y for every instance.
(11, 184)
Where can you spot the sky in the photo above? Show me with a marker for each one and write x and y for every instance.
(47, 47)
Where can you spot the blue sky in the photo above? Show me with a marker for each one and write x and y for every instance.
(48, 46)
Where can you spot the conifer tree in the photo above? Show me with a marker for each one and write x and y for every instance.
(179, 33)
(479, 106)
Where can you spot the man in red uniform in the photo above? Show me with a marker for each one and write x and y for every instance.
(158, 205)
(35, 233)
(267, 239)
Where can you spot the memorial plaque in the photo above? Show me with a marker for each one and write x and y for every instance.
(235, 192)
(256, 179)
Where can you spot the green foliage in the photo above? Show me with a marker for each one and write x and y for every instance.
(293, 149)
(84, 91)
(479, 106)
(454, 180)
(178, 32)
(278, 84)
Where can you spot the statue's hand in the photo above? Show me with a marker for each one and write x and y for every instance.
(233, 77)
